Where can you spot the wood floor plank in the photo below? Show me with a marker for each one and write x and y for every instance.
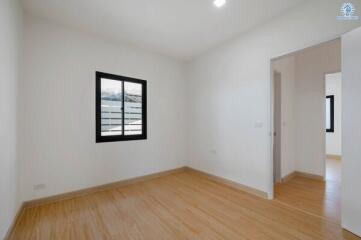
(177, 206)
(321, 198)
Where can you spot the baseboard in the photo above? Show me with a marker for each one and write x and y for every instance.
(302, 174)
(310, 175)
(100, 188)
(14, 222)
(349, 235)
(230, 183)
(288, 177)
(333, 156)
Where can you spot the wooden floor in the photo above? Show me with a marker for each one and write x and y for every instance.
(179, 206)
(313, 196)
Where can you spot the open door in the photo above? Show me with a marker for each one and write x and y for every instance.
(277, 127)
(351, 135)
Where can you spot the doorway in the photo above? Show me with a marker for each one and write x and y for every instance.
(333, 105)
(300, 156)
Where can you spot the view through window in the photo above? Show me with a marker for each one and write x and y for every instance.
(121, 108)
(330, 113)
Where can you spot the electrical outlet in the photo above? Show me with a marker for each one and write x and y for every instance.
(38, 187)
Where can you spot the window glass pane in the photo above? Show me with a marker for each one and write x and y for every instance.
(328, 113)
(111, 107)
(133, 108)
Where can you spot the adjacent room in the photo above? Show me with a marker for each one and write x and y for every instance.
(307, 129)
(203, 119)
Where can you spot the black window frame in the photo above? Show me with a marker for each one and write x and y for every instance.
(332, 113)
(123, 137)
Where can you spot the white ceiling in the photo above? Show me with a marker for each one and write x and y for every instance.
(177, 28)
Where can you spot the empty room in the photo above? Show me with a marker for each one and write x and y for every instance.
(202, 119)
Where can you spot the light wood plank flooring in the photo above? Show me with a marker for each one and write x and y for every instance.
(316, 197)
(179, 206)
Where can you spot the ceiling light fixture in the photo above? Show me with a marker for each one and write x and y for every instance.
(219, 3)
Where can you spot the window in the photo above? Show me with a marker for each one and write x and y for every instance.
(330, 113)
(121, 108)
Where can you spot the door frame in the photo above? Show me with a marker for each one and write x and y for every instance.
(271, 107)
(277, 134)
(324, 81)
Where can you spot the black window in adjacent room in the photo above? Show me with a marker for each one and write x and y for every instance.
(330, 113)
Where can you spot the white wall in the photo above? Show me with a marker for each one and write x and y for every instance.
(230, 92)
(311, 66)
(10, 47)
(58, 112)
(286, 66)
(333, 139)
(351, 131)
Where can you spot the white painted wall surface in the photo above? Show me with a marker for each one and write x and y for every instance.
(351, 131)
(333, 139)
(10, 47)
(230, 91)
(58, 112)
(286, 66)
(311, 66)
